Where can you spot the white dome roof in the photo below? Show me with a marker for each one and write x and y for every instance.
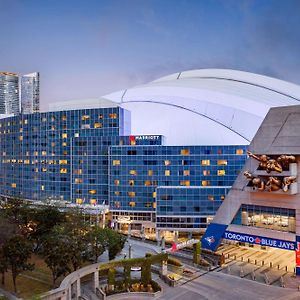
(208, 106)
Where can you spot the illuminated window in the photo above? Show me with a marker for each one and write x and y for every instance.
(167, 162)
(100, 116)
(117, 204)
(78, 180)
(186, 172)
(42, 187)
(154, 204)
(63, 162)
(21, 138)
(63, 170)
(185, 182)
(92, 192)
(205, 183)
(64, 118)
(132, 204)
(44, 169)
(44, 153)
(154, 194)
(64, 144)
(117, 193)
(206, 172)
(85, 126)
(78, 171)
(64, 135)
(44, 119)
(132, 142)
(25, 121)
(76, 134)
(132, 172)
(147, 182)
(85, 117)
(113, 116)
(210, 197)
(222, 197)
(205, 162)
(97, 125)
(13, 185)
(150, 172)
(221, 172)
(117, 182)
(185, 152)
(239, 151)
(93, 201)
(167, 172)
(131, 194)
(116, 162)
(79, 201)
(131, 182)
(26, 161)
(222, 162)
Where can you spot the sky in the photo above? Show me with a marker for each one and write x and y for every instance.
(89, 48)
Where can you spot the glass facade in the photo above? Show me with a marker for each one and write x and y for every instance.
(282, 219)
(30, 93)
(9, 93)
(196, 175)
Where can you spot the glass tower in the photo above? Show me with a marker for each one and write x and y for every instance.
(9, 93)
(30, 93)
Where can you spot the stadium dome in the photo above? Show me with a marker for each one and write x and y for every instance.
(205, 107)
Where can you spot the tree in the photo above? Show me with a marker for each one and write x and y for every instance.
(57, 254)
(17, 251)
(115, 242)
(3, 265)
(97, 240)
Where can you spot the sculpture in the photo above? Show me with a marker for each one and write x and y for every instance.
(285, 160)
(263, 159)
(273, 184)
(287, 181)
(256, 181)
(266, 163)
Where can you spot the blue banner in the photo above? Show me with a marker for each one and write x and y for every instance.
(259, 240)
(213, 236)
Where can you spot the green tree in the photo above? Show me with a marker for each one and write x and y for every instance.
(115, 242)
(97, 242)
(17, 250)
(57, 254)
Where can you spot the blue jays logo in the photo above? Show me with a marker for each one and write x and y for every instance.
(210, 239)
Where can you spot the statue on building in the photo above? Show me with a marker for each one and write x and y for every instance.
(273, 184)
(256, 182)
(266, 163)
(287, 181)
(284, 160)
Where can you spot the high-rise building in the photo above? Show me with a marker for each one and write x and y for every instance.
(9, 93)
(30, 93)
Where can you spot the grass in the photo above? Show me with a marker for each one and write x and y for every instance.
(30, 283)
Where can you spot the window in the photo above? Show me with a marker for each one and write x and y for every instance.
(221, 172)
(154, 194)
(222, 197)
(42, 187)
(63, 162)
(167, 172)
(131, 182)
(154, 204)
(210, 197)
(92, 192)
(100, 116)
(132, 204)
(63, 171)
(185, 182)
(185, 152)
(131, 194)
(147, 182)
(79, 201)
(13, 185)
(78, 171)
(150, 172)
(205, 183)
(239, 151)
(97, 125)
(206, 172)
(205, 162)
(219, 151)
(78, 180)
(113, 116)
(76, 134)
(85, 117)
(222, 162)
(132, 172)
(64, 135)
(186, 172)
(131, 152)
(93, 201)
(117, 204)
(117, 182)
(167, 162)
(64, 118)
(117, 193)
(116, 162)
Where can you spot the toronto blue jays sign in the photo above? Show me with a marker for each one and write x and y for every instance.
(259, 240)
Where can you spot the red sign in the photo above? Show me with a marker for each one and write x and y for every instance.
(298, 254)
(174, 247)
(132, 138)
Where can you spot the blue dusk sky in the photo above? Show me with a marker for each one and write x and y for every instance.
(88, 48)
